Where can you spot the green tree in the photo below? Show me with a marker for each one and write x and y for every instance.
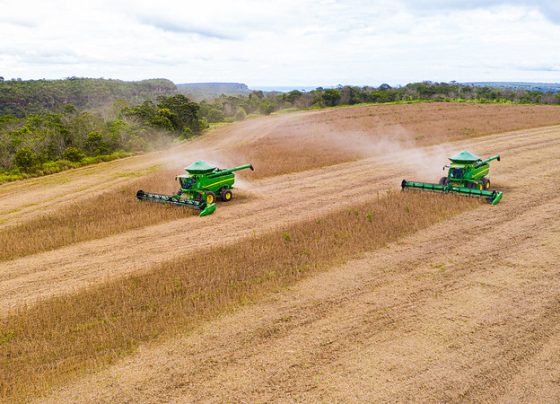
(145, 111)
(184, 112)
(241, 114)
(211, 112)
(95, 144)
(69, 109)
(74, 154)
(187, 133)
(267, 107)
(292, 96)
(258, 94)
(162, 120)
(25, 158)
(331, 97)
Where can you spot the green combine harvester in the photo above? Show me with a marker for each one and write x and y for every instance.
(467, 176)
(199, 187)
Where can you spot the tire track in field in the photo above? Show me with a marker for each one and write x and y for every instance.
(277, 201)
(466, 310)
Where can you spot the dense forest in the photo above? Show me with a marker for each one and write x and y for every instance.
(19, 98)
(48, 126)
(51, 125)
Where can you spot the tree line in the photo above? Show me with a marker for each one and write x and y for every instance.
(229, 107)
(46, 127)
(237, 107)
(22, 97)
(48, 142)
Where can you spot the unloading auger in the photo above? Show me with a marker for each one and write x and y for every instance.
(467, 176)
(199, 187)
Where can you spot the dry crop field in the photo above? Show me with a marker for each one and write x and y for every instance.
(321, 281)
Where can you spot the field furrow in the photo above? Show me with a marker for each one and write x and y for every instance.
(462, 307)
(459, 311)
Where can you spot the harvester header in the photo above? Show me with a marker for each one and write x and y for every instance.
(466, 176)
(199, 187)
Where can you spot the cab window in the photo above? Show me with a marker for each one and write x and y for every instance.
(456, 173)
(187, 182)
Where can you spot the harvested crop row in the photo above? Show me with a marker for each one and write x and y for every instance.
(106, 214)
(44, 345)
(344, 134)
(279, 145)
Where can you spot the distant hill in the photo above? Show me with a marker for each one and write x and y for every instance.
(286, 89)
(544, 87)
(21, 97)
(205, 91)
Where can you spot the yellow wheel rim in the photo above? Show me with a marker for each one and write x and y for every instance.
(480, 187)
(209, 199)
(228, 196)
(487, 185)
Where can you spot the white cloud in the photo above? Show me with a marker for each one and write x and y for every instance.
(549, 8)
(300, 42)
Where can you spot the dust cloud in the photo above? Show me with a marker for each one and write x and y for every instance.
(392, 144)
(381, 143)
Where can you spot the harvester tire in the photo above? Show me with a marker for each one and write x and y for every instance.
(444, 181)
(474, 185)
(210, 197)
(485, 183)
(226, 195)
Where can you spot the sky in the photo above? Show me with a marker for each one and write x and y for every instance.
(282, 42)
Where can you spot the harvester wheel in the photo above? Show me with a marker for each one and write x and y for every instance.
(226, 195)
(444, 181)
(210, 197)
(474, 185)
(486, 183)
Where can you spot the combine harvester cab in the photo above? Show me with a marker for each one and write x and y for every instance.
(467, 176)
(199, 187)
